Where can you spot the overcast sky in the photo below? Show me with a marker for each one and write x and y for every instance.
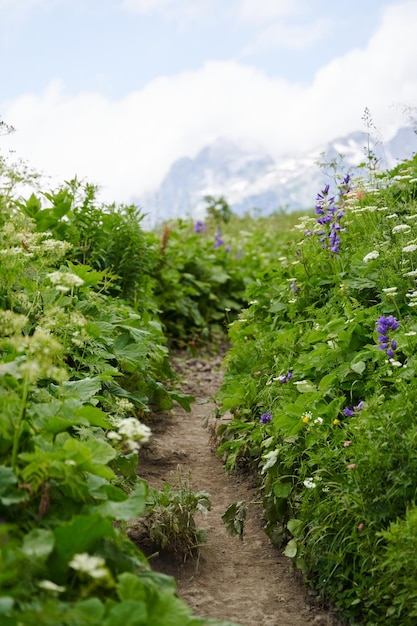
(114, 91)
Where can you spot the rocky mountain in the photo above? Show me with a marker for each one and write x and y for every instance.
(252, 181)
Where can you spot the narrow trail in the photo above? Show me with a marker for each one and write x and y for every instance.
(246, 581)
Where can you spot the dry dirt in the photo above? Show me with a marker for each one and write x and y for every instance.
(245, 581)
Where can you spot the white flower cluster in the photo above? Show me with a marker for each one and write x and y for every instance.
(401, 228)
(94, 566)
(130, 432)
(64, 281)
(371, 256)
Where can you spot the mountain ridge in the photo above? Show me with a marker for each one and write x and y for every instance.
(253, 182)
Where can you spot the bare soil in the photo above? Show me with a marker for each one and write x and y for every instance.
(245, 581)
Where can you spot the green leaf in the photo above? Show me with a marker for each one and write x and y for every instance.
(95, 416)
(282, 489)
(7, 478)
(128, 613)
(234, 518)
(6, 604)
(358, 367)
(38, 543)
(88, 612)
(130, 587)
(291, 549)
(184, 400)
(131, 508)
(82, 389)
(79, 535)
(295, 526)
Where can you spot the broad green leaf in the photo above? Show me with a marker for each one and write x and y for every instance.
(6, 604)
(130, 587)
(128, 613)
(38, 543)
(79, 535)
(282, 489)
(131, 508)
(184, 400)
(295, 526)
(95, 416)
(291, 549)
(358, 367)
(82, 389)
(7, 478)
(88, 612)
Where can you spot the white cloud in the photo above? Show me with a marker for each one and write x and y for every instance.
(263, 10)
(292, 36)
(173, 9)
(127, 145)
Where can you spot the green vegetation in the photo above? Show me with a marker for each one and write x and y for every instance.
(320, 381)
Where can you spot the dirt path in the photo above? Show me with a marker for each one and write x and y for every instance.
(249, 581)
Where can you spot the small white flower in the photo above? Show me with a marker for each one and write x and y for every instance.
(401, 228)
(309, 483)
(411, 333)
(65, 279)
(411, 248)
(270, 458)
(318, 420)
(392, 216)
(371, 256)
(50, 586)
(412, 273)
(390, 291)
(395, 363)
(92, 565)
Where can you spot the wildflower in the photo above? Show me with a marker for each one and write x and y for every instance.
(94, 566)
(318, 420)
(271, 458)
(347, 444)
(350, 410)
(130, 432)
(401, 228)
(284, 378)
(351, 466)
(48, 585)
(64, 281)
(410, 248)
(384, 326)
(411, 333)
(265, 417)
(336, 421)
(306, 417)
(371, 256)
(412, 273)
(218, 241)
(199, 227)
(309, 483)
(361, 526)
(390, 291)
(293, 286)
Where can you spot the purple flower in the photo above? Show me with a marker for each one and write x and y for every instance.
(294, 287)
(350, 410)
(265, 417)
(218, 241)
(199, 227)
(384, 326)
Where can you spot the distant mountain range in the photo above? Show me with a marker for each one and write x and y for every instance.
(252, 181)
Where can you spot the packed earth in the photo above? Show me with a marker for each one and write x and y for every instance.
(247, 581)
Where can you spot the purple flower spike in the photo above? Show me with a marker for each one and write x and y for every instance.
(348, 411)
(265, 417)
